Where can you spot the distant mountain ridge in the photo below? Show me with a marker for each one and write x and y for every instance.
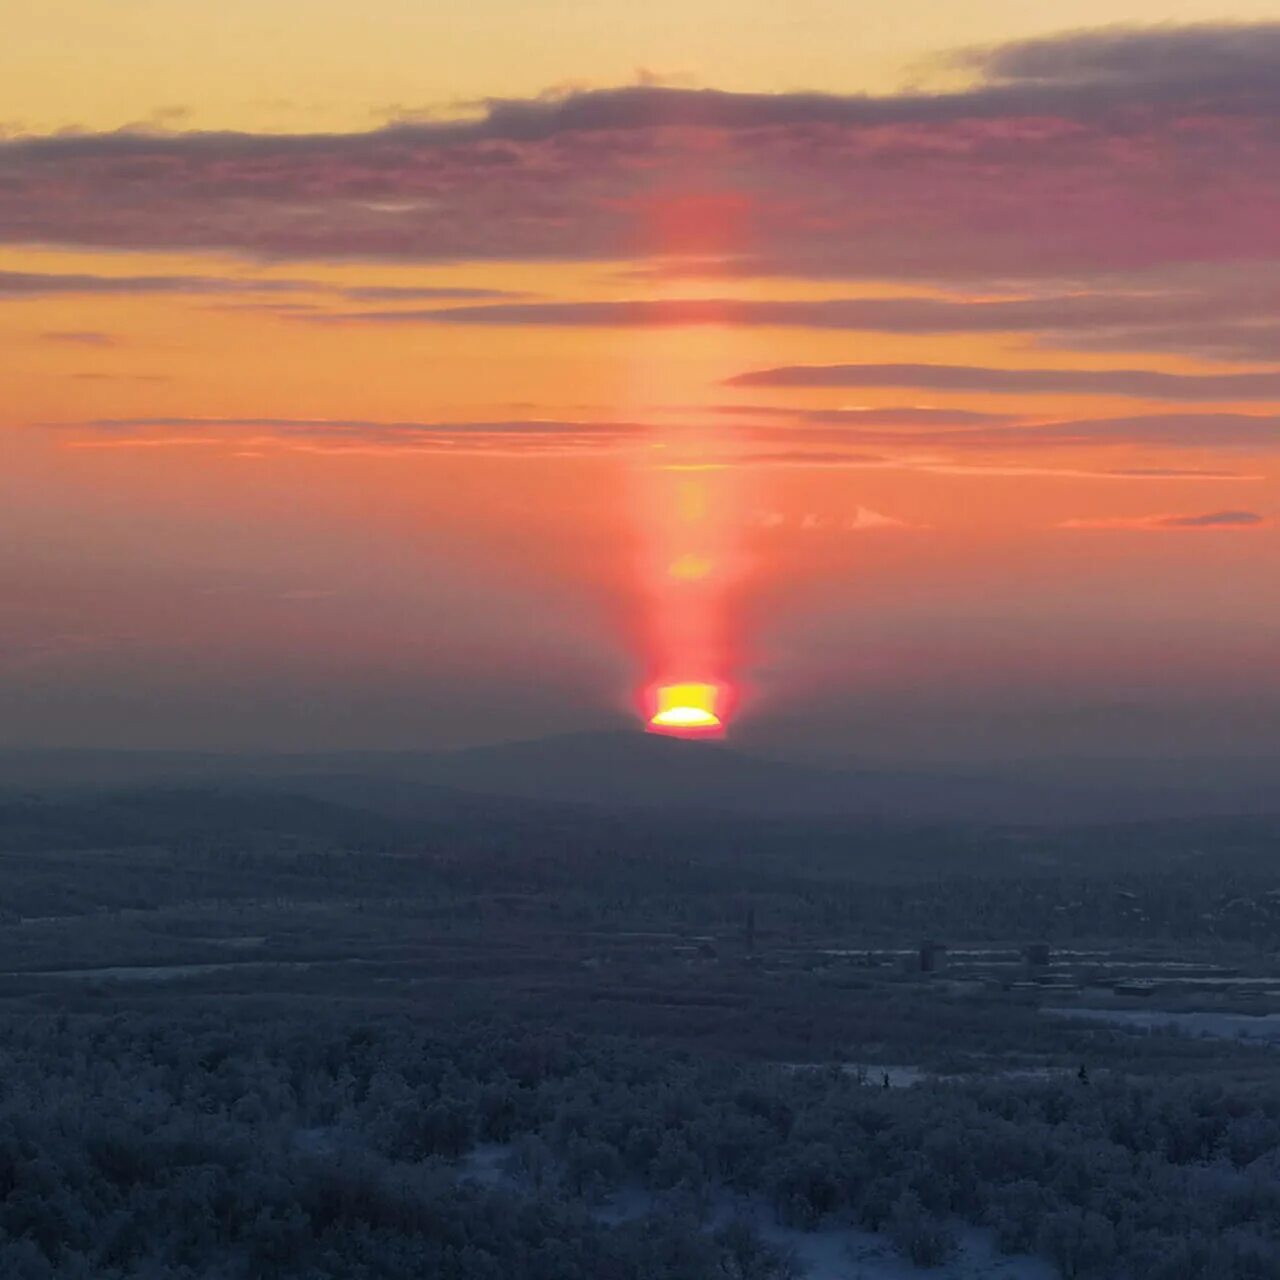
(615, 770)
(636, 771)
(628, 770)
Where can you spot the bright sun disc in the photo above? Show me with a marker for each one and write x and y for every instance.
(687, 707)
(686, 718)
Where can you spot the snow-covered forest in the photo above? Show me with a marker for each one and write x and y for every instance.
(254, 1143)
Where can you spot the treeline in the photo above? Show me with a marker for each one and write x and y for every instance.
(1185, 904)
(142, 1145)
(160, 849)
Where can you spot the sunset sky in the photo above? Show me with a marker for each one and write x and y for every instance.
(412, 374)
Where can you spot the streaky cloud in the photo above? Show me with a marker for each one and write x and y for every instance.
(824, 439)
(37, 284)
(529, 426)
(353, 435)
(1204, 431)
(1217, 520)
(1207, 520)
(79, 337)
(1063, 312)
(873, 415)
(34, 284)
(1138, 383)
(1113, 152)
(1208, 58)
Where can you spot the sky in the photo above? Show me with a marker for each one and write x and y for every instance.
(416, 375)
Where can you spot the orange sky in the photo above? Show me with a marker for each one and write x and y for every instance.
(476, 430)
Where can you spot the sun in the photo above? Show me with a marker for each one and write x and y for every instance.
(686, 718)
(686, 709)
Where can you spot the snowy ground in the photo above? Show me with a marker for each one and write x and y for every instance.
(836, 1253)
(899, 1075)
(162, 972)
(831, 1253)
(1263, 1027)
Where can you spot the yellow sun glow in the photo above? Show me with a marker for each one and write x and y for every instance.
(686, 718)
(686, 706)
(690, 568)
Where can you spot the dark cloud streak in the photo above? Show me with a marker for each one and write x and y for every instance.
(1215, 520)
(882, 315)
(32, 284)
(1211, 58)
(1139, 383)
(1208, 520)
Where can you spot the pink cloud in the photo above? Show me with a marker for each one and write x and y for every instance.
(1056, 164)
